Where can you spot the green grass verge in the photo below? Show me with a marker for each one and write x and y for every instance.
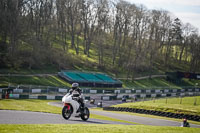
(153, 83)
(111, 119)
(158, 83)
(174, 105)
(45, 70)
(43, 106)
(29, 105)
(91, 128)
(34, 80)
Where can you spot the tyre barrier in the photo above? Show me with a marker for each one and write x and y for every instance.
(154, 112)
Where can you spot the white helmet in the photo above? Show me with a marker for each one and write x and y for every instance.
(75, 85)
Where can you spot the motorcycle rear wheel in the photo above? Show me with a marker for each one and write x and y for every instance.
(86, 114)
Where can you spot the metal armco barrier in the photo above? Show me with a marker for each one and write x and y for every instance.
(42, 97)
(92, 91)
(113, 94)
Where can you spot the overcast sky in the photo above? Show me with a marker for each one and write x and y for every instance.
(186, 10)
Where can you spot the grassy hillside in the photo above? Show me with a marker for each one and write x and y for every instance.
(44, 70)
(159, 83)
(83, 62)
(71, 60)
(154, 83)
(68, 59)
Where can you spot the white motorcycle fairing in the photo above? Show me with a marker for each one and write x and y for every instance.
(71, 107)
(68, 99)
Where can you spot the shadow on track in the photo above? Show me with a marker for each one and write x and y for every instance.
(90, 122)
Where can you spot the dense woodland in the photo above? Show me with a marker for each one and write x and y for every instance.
(117, 34)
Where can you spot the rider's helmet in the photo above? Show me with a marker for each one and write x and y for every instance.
(75, 86)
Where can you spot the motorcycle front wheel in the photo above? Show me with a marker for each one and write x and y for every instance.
(86, 114)
(66, 113)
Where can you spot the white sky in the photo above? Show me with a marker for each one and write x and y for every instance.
(186, 10)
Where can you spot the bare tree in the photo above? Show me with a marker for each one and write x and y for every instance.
(195, 54)
(123, 36)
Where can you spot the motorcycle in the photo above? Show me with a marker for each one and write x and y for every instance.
(71, 107)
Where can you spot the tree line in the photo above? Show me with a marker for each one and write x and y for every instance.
(131, 37)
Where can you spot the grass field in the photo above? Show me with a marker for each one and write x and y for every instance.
(92, 128)
(174, 105)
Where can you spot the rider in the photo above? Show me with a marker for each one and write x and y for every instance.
(185, 123)
(75, 87)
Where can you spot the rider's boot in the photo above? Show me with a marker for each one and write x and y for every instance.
(81, 107)
(78, 116)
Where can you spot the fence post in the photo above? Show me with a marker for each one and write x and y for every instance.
(47, 90)
(195, 101)
(166, 101)
(181, 100)
(29, 90)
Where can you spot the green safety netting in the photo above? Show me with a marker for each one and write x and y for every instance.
(74, 76)
(105, 77)
(89, 77)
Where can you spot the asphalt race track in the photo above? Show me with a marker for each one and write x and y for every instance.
(26, 117)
